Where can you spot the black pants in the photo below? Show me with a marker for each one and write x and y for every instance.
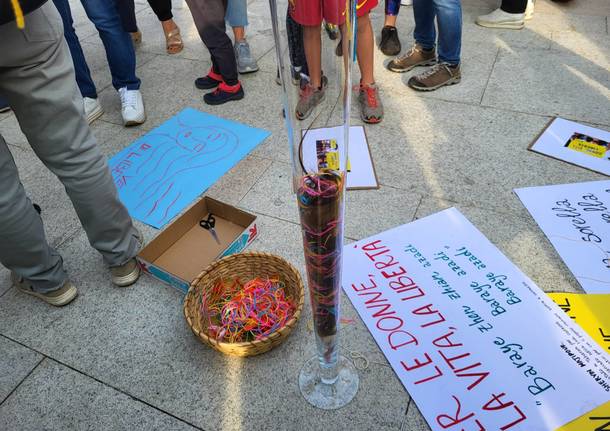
(514, 6)
(296, 49)
(209, 17)
(126, 9)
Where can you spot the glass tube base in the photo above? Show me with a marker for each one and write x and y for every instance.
(328, 396)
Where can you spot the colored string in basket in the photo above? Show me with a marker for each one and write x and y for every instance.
(235, 312)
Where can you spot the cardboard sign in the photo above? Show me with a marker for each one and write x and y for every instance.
(576, 219)
(475, 342)
(592, 313)
(323, 148)
(165, 170)
(577, 144)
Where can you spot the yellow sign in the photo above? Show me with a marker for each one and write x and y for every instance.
(591, 313)
(589, 148)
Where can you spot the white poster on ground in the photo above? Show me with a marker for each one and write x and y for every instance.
(577, 144)
(361, 172)
(475, 342)
(576, 219)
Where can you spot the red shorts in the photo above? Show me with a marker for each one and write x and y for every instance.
(311, 12)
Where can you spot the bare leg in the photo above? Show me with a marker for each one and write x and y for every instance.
(312, 42)
(364, 50)
(390, 20)
(239, 33)
(168, 25)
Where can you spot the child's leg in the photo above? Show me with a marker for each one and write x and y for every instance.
(312, 43)
(365, 49)
(209, 17)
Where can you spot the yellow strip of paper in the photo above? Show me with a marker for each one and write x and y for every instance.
(591, 313)
(588, 148)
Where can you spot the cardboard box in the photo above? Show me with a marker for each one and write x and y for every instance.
(184, 249)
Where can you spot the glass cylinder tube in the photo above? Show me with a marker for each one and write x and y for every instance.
(314, 50)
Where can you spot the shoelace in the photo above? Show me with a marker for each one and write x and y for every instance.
(434, 69)
(409, 53)
(371, 95)
(128, 98)
(242, 50)
(306, 91)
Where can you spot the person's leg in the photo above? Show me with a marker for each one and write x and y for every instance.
(209, 20)
(364, 50)
(162, 8)
(312, 46)
(424, 32)
(449, 19)
(127, 12)
(447, 70)
(510, 15)
(514, 6)
(209, 17)
(163, 11)
(390, 43)
(237, 17)
(24, 248)
(83, 75)
(117, 42)
(37, 78)
(295, 44)
(392, 7)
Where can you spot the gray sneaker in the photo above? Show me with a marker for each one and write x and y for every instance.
(371, 108)
(309, 98)
(60, 297)
(245, 62)
(128, 273)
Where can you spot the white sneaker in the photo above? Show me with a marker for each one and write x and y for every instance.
(529, 10)
(500, 19)
(93, 109)
(406, 2)
(132, 107)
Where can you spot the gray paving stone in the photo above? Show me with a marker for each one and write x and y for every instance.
(5, 280)
(520, 239)
(236, 183)
(155, 358)
(414, 420)
(16, 362)
(579, 90)
(57, 398)
(463, 153)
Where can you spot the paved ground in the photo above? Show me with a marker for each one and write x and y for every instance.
(125, 359)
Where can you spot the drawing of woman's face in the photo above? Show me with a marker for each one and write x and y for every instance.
(204, 140)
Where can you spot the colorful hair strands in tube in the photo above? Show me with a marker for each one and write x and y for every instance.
(320, 199)
(234, 312)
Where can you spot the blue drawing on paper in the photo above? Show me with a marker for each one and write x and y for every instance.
(165, 170)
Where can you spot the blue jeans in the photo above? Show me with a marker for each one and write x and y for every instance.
(237, 13)
(119, 47)
(448, 15)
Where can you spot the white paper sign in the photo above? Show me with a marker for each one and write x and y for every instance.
(576, 219)
(475, 342)
(576, 143)
(362, 173)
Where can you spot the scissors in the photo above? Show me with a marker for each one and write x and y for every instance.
(208, 224)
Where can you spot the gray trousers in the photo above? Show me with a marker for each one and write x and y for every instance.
(37, 78)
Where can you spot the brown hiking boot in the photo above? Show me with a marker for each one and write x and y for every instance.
(436, 77)
(416, 56)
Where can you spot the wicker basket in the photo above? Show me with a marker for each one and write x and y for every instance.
(245, 266)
